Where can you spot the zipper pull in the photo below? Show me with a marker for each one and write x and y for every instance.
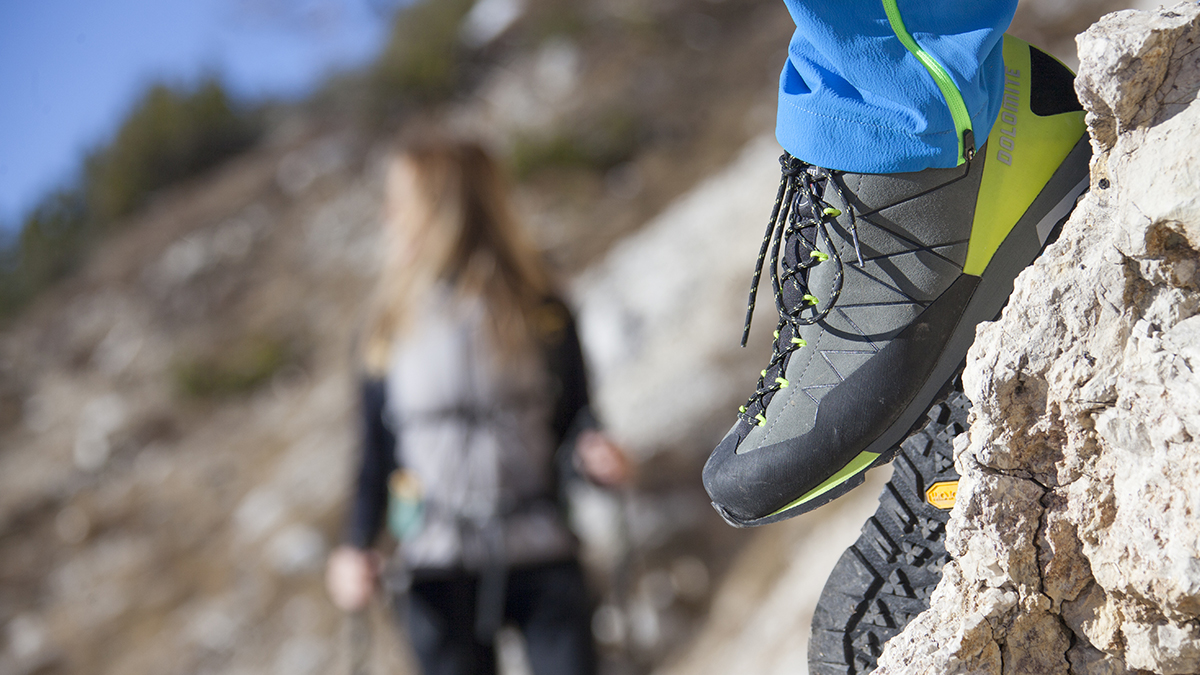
(968, 141)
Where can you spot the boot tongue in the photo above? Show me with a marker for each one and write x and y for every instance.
(796, 252)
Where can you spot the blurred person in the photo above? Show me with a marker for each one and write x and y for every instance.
(472, 379)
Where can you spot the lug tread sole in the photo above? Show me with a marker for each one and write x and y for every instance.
(886, 577)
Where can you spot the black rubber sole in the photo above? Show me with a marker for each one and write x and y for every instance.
(885, 579)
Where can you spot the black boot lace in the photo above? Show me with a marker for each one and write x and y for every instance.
(800, 217)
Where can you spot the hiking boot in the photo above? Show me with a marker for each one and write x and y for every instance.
(879, 281)
(885, 579)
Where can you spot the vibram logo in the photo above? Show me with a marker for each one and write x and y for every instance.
(943, 494)
(1007, 125)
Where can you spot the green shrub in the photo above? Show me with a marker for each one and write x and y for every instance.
(169, 135)
(51, 242)
(241, 368)
(598, 144)
(422, 62)
(561, 19)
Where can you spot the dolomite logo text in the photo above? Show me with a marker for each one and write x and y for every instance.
(1008, 116)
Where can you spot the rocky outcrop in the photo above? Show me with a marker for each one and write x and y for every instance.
(1075, 539)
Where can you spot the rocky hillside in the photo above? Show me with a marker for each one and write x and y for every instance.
(175, 420)
(176, 429)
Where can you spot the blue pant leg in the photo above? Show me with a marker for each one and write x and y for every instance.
(851, 97)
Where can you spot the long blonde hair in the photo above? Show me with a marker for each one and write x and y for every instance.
(448, 220)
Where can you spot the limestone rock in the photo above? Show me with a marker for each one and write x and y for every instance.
(1076, 545)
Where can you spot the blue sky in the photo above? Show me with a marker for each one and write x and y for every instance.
(70, 69)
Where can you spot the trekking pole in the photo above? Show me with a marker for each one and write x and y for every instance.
(356, 642)
(628, 567)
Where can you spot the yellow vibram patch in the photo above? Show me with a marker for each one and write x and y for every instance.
(943, 494)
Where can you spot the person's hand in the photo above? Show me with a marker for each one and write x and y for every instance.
(602, 460)
(350, 577)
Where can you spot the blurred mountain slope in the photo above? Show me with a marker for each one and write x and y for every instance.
(176, 416)
(176, 425)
